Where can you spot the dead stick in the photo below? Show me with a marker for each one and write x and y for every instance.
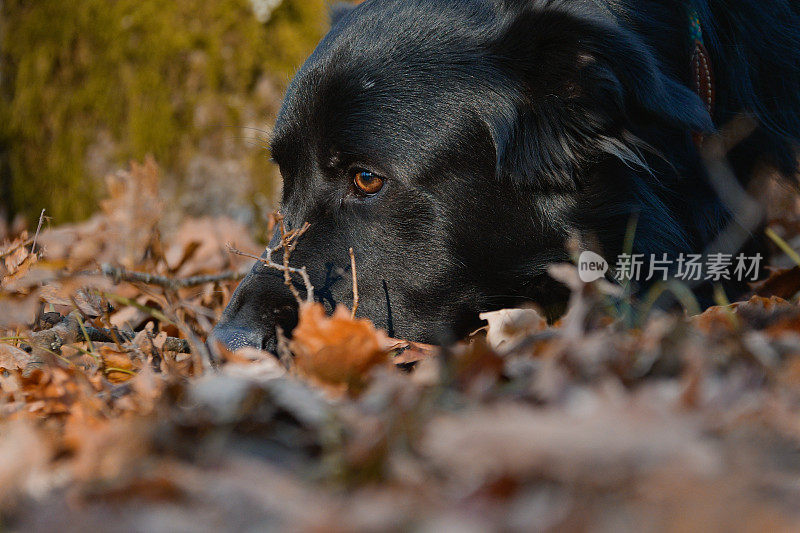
(302, 272)
(68, 331)
(287, 277)
(120, 274)
(38, 229)
(171, 344)
(355, 283)
(289, 240)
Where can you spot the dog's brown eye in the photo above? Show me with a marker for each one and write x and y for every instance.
(368, 182)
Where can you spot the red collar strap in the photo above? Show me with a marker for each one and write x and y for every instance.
(702, 73)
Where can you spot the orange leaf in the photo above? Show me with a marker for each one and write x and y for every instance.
(119, 365)
(714, 319)
(337, 350)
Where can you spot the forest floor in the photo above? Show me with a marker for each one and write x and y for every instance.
(115, 417)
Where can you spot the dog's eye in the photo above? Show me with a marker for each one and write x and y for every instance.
(367, 182)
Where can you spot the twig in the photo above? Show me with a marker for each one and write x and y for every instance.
(287, 278)
(283, 350)
(86, 335)
(746, 213)
(38, 229)
(108, 335)
(71, 330)
(120, 274)
(288, 244)
(277, 266)
(355, 283)
(171, 344)
(783, 245)
(122, 370)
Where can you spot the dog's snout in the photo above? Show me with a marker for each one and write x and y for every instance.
(235, 338)
(261, 304)
(237, 332)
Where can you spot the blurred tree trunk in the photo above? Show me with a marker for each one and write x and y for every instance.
(6, 200)
(87, 85)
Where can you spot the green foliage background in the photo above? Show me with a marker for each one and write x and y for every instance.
(137, 69)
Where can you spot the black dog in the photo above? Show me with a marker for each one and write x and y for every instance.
(458, 145)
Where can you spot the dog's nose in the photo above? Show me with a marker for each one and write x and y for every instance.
(235, 338)
(235, 333)
(260, 304)
(285, 317)
(238, 331)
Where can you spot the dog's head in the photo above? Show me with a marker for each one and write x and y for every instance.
(456, 145)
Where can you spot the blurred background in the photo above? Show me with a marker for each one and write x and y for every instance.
(89, 85)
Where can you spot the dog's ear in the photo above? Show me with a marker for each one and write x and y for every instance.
(561, 53)
(339, 11)
(585, 83)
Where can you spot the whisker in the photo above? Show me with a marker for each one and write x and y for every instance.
(251, 128)
(253, 141)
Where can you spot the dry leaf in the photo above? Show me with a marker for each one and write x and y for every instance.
(509, 325)
(12, 358)
(717, 318)
(337, 350)
(602, 443)
(783, 283)
(18, 264)
(119, 366)
(408, 353)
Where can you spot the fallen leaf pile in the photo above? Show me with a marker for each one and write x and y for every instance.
(116, 417)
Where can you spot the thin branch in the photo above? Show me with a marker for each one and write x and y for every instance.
(38, 229)
(746, 213)
(355, 283)
(289, 240)
(86, 335)
(287, 277)
(171, 344)
(783, 245)
(70, 331)
(120, 274)
(277, 266)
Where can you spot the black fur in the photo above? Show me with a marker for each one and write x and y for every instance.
(504, 129)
